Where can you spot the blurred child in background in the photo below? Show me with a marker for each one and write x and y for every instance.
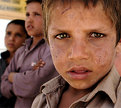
(118, 58)
(32, 64)
(14, 38)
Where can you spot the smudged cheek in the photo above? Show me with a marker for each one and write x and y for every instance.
(59, 57)
(103, 58)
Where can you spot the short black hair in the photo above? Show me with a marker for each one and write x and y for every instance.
(19, 22)
(29, 1)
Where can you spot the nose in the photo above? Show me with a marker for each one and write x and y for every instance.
(12, 38)
(79, 50)
(29, 19)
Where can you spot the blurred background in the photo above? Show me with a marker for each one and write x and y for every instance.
(9, 9)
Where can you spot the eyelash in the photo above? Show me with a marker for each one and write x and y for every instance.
(18, 35)
(35, 14)
(97, 35)
(62, 35)
(92, 35)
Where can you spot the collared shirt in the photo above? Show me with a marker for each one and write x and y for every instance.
(27, 81)
(3, 63)
(107, 93)
(4, 102)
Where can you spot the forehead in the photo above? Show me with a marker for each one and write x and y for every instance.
(74, 4)
(76, 10)
(60, 9)
(33, 6)
(15, 27)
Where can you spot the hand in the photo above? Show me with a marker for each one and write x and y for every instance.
(11, 76)
(40, 63)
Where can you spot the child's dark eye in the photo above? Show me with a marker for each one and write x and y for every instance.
(36, 14)
(27, 14)
(8, 33)
(97, 35)
(62, 35)
(18, 35)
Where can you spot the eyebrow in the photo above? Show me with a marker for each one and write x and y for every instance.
(98, 29)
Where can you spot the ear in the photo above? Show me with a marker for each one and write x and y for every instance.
(118, 47)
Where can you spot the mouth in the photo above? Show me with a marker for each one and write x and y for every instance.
(29, 27)
(78, 72)
(10, 44)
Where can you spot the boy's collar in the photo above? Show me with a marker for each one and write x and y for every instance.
(107, 85)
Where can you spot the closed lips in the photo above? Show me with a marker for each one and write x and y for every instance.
(79, 72)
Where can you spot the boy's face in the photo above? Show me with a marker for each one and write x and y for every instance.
(33, 21)
(14, 37)
(82, 42)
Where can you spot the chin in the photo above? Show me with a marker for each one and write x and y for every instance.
(80, 85)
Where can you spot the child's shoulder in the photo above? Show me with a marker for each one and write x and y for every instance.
(118, 100)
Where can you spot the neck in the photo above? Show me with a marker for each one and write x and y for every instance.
(78, 93)
(10, 57)
(36, 40)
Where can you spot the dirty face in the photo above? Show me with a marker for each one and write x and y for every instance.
(15, 36)
(82, 42)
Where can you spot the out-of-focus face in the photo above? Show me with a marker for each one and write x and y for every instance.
(33, 21)
(82, 43)
(118, 58)
(14, 37)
